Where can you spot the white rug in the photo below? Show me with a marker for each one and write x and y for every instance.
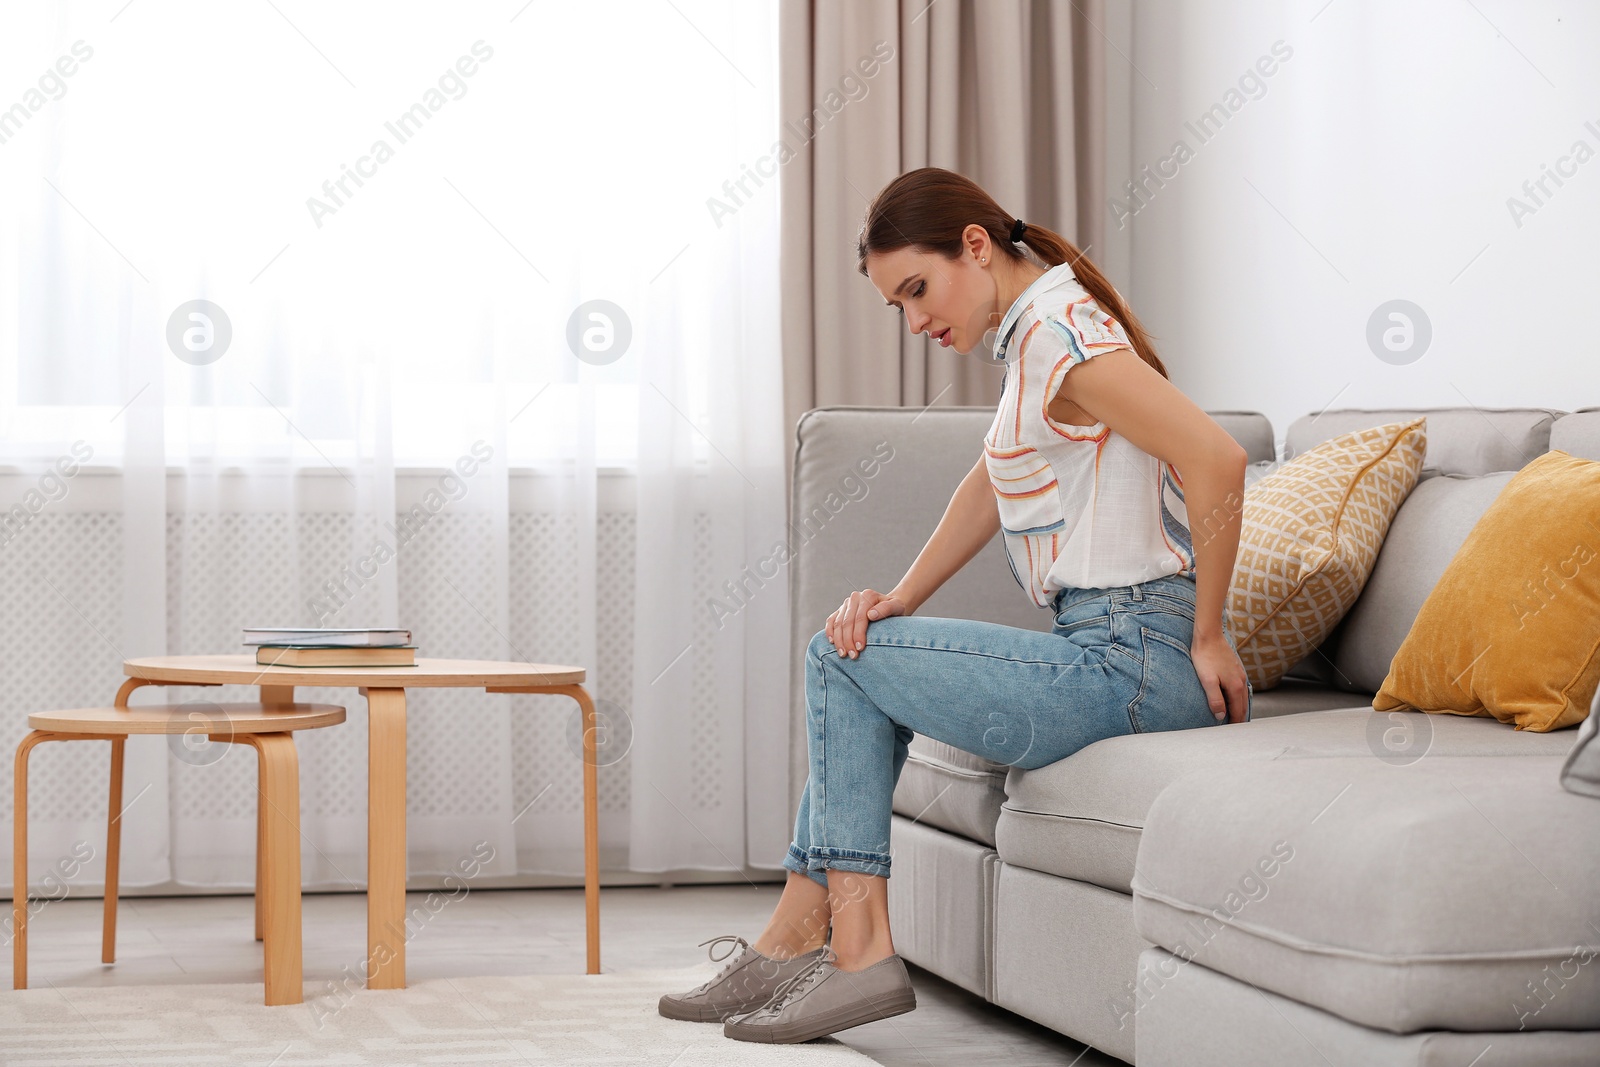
(540, 1020)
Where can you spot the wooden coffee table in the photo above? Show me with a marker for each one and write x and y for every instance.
(385, 690)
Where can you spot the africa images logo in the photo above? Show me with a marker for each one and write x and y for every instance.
(404, 127)
(1150, 179)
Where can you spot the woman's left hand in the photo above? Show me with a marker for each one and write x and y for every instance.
(1222, 676)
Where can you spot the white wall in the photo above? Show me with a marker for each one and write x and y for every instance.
(1375, 164)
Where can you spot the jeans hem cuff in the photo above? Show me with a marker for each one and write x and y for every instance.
(795, 861)
(849, 859)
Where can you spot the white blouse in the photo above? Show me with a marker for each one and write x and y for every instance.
(1080, 506)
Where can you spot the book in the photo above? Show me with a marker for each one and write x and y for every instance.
(326, 638)
(323, 656)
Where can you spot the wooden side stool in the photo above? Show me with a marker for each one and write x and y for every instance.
(266, 727)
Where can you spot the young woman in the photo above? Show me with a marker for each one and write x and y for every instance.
(1096, 470)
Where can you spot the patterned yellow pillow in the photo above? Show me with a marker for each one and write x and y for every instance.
(1309, 539)
(1510, 628)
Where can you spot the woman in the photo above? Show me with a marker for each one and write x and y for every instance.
(1080, 471)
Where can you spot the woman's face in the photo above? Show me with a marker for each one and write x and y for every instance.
(952, 301)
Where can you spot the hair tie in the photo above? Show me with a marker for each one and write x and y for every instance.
(1017, 229)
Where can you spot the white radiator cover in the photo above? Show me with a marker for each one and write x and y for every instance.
(475, 760)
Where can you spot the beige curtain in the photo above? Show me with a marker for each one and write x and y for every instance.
(1010, 93)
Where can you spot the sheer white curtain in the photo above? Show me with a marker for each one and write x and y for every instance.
(400, 315)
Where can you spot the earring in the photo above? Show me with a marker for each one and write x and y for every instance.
(985, 259)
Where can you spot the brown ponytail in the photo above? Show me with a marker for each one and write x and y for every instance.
(928, 208)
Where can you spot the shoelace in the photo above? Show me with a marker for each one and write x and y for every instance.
(793, 987)
(711, 952)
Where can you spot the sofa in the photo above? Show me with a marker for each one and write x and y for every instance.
(1320, 884)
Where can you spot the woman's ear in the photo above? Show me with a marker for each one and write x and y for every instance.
(975, 239)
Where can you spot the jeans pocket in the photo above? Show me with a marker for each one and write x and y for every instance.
(1082, 615)
(1170, 603)
(1170, 695)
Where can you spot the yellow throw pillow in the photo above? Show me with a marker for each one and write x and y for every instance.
(1512, 627)
(1309, 539)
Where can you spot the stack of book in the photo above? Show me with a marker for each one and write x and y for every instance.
(289, 646)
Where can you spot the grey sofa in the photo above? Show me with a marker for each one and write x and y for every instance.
(1322, 884)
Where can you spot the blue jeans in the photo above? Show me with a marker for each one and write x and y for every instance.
(1115, 661)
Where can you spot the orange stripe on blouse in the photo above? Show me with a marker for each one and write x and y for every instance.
(1022, 477)
(1022, 354)
(1010, 453)
(1030, 493)
(1098, 437)
(1044, 409)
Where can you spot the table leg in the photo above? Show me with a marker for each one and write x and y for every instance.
(19, 862)
(591, 807)
(591, 828)
(270, 694)
(278, 796)
(386, 838)
(108, 929)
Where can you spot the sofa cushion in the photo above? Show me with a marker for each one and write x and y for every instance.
(1309, 537)
(1461, 440)
(1425, 535)
(1295, 695)
(1081, 817)
(1509, 630)
(1445, 893)
(1578, 434)
(1181, 1005)
(950, 788)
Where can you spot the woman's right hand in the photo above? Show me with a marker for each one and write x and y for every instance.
(847, 626)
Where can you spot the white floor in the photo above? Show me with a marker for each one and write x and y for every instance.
(174, 940)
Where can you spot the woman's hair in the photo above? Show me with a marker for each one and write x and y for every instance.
(928, 209)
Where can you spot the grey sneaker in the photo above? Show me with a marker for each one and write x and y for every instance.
(824, 999)
(747, 982)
